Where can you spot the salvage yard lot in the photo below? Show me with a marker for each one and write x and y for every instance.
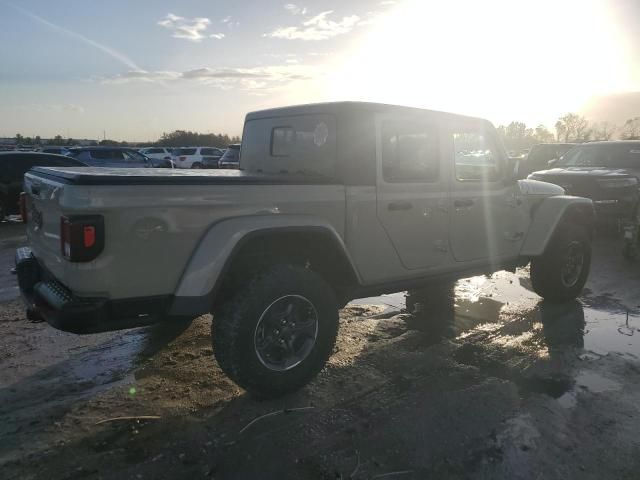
(491, 384)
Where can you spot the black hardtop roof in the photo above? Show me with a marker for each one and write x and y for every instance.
(341, 108)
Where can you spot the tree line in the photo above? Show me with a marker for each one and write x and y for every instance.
(570, 128)
(177, 138)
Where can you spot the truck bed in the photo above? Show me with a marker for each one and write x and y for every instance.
(164, 176)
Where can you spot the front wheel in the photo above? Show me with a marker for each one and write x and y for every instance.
(560, 273)
(277, 333)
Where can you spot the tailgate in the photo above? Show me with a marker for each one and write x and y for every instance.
(43, 219)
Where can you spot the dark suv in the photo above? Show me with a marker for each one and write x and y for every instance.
(13, 166)
(120, 157)
(540, 155)
(606, 172)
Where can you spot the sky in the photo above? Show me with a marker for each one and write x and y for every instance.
(132, 70)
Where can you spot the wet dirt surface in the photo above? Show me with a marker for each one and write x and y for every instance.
(483, 381)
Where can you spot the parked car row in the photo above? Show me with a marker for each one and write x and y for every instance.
(117, 157)
(197, 157)
(14, 164)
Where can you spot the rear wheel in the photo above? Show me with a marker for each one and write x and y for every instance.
(276, 334)
(560, 273)
(196, 165)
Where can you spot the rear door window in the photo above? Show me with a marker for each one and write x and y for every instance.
(101, 154)
(410, 153)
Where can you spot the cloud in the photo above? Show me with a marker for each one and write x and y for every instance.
(192, 29)
(294, 9)
(139, 76)
(225, 78)
(320, 27)
(52, 107)
(229, 22)
(116, 55)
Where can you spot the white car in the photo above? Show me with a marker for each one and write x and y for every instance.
(159, 153)
(195, 157)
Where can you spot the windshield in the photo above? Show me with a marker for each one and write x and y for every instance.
(232, 154)
(603, 155)
(183, 151)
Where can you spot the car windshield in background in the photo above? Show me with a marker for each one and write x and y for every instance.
(232, 154)
(544, 153)
(610, 155)
(184, 151)
(135, 156)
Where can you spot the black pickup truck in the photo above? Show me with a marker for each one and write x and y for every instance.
(605, 172)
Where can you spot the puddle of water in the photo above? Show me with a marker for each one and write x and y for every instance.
(394, 302)
(607, 332)
(595, 382)
(587, 381)
(598, 329)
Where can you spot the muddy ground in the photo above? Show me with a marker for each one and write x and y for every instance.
(487, 384)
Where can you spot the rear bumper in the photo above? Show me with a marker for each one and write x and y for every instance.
(48, 298)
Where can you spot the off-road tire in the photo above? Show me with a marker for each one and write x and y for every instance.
(547, 270)
(433, 300)
(196, 165)
(235, 322)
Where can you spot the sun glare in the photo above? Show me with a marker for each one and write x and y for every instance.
(493, 58)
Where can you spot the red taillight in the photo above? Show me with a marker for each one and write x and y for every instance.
(82, 237)
(24, 213)
(89, 236)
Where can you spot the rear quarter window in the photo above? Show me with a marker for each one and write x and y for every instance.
(290, 144)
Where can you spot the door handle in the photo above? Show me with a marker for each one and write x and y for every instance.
(463, 202)
(401, 205)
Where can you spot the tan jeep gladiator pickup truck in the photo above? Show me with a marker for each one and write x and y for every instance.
(332, 202)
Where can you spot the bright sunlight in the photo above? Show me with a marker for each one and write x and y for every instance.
(493, 58)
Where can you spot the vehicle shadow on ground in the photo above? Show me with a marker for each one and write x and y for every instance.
(38, 401)
(400, 404)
